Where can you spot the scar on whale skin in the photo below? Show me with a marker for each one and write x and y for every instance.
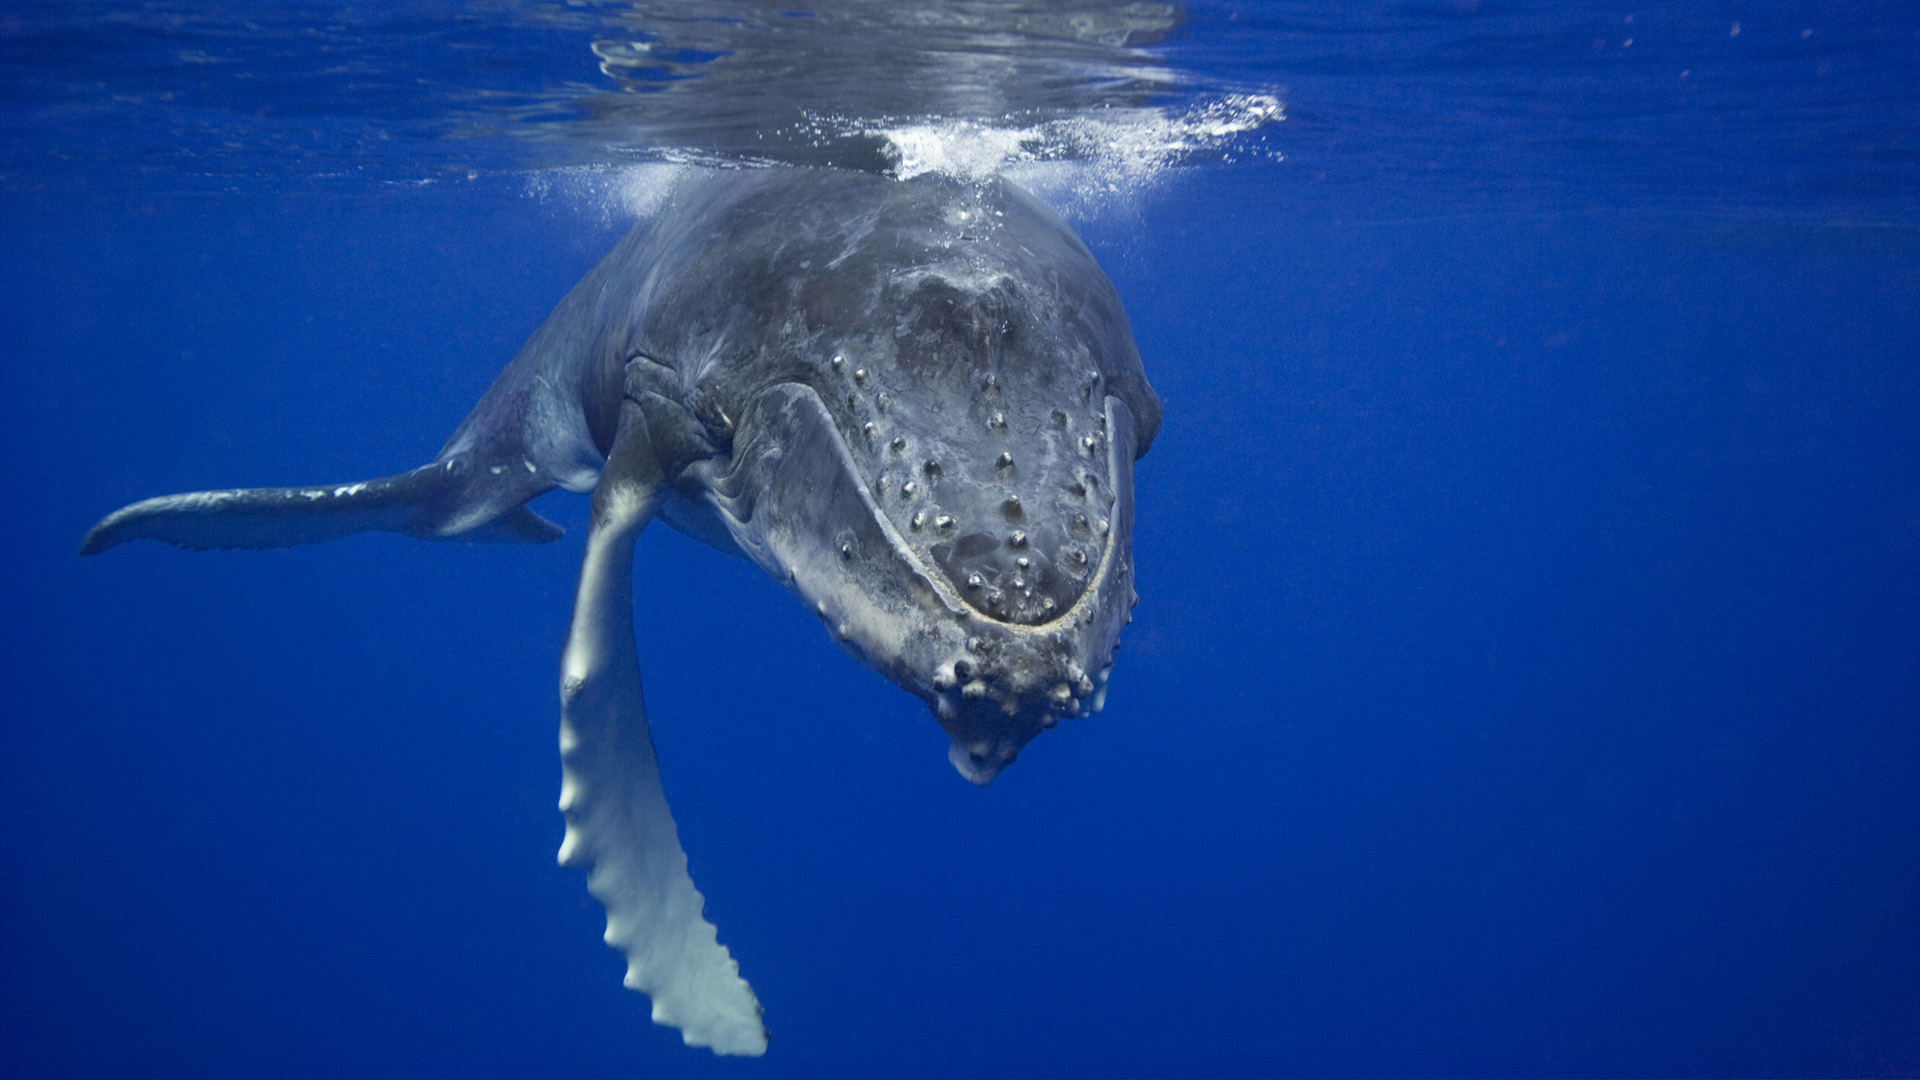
(916, 404)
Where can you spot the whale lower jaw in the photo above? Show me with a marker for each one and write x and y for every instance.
(793, 501)
(975, 771)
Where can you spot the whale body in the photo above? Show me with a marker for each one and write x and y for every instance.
(916, 404)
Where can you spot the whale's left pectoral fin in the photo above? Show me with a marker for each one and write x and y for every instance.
(617, 817)
(433, 502)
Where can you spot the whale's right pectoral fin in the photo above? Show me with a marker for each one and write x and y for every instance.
(433, 502)
(617, 817)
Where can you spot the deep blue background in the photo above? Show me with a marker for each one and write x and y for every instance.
(1526, 678)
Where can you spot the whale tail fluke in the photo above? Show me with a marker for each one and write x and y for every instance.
(433, 502)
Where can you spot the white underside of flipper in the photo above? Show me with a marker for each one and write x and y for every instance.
(617, 817)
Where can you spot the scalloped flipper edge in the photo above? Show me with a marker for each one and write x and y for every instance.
(617, 817)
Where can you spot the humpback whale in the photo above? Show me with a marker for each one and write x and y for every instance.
(914, 403)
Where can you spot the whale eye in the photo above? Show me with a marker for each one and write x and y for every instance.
(713, 417)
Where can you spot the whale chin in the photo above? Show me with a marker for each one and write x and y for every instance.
(978, 769)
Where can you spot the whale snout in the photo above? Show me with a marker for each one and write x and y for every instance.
(1015, 576)
(1045, 604)
(995, 667)
(1014, 506)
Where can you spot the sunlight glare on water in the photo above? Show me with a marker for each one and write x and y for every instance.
(1079, 165)
(1082, 159)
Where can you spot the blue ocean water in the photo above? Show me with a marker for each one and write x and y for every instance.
(1527, 673)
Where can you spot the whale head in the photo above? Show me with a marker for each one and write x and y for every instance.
(937, 455)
